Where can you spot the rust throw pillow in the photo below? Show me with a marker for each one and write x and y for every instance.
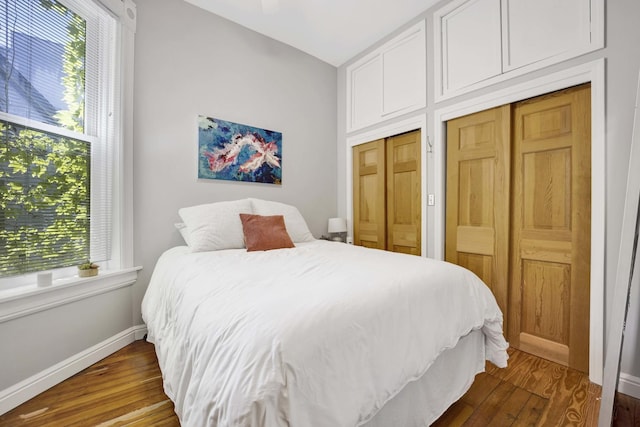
(262, 233)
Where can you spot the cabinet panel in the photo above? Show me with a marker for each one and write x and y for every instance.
(403, 74)
(536, 30)
(366, 93)
(471, 44)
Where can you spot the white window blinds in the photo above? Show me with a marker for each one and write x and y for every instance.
(57, 134)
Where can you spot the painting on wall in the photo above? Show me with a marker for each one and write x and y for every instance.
(237, 152)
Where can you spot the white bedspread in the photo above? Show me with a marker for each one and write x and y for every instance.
(320, 335)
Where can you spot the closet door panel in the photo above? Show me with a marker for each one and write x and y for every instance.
(477, 205)
(404, 214)
(369, 195)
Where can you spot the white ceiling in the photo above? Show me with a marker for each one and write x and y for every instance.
(332, 30)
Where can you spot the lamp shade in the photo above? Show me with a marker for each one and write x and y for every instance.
(337, 225)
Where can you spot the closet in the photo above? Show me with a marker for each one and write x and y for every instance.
(387, 195)
(518, 215)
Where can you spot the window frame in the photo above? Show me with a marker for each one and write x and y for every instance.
(119, 110)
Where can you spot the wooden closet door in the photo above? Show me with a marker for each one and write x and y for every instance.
(551, 227)
(404, 214)
(477, 206)
(369, 195)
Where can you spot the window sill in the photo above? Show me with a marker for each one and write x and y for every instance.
(26, 300)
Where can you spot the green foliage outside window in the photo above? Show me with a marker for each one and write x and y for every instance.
(44, 200)
(73, 66)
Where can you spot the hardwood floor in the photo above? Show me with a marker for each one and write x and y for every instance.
(126, 389)
(122, 389)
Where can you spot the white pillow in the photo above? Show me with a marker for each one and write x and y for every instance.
(184, 231)
(293, 219)
(215, 226)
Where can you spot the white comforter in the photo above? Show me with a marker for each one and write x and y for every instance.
(320, 335)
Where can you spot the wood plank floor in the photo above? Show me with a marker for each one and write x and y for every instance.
(126, 389)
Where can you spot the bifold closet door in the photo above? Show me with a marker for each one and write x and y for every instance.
(477, 205)
(404, 213)
(551, 227)
(369, 195)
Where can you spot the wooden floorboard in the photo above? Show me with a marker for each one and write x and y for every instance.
(125, 389)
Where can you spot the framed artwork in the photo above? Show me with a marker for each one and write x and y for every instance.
(237, 152)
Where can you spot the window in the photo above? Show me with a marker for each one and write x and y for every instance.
(58, 99)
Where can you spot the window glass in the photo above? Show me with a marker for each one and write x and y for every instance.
(42, 62)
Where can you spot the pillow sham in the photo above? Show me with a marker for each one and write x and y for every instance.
(293, 220)
(215, 226)
(264, 233)
(184, 231)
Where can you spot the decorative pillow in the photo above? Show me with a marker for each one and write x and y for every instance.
(293, 219)
(215, 226)
(263, 233)
(184, 231)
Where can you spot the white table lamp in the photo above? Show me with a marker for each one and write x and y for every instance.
(337, 229)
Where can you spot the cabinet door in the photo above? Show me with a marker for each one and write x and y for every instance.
(369, 196)
(404, 74)
(366, 93)
(537, 30)
(471, 44)
(404, 214)
(477, 223)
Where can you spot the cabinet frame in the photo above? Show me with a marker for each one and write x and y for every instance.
(376, 58)
(597, 41)
(593, 72)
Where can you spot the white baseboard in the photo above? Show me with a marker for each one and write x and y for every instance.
(629, 385)
(19, 393)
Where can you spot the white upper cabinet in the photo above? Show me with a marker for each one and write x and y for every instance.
(471, 40)
(540, 29)
(481, 42)
(389, 81)
(366, 92)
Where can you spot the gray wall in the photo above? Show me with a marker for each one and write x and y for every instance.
(33, 343)
(622, 65)
(189, 62)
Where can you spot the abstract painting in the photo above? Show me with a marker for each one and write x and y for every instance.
(238, 152)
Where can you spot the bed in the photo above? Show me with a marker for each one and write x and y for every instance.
(317, 334)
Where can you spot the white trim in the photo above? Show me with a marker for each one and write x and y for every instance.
(123, 9)
(19, 393)
(26, 300)
(123, 196)
(593, 72)
(629, 385)
(44, 127)
(416, 122)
